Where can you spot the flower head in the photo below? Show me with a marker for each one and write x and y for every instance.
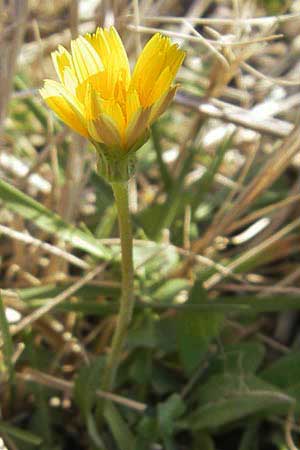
(97, 95)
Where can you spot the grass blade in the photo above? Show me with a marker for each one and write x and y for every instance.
(44, 218)
(7, 341)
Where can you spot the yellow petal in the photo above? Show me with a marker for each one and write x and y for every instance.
(158, 55)
(137, 127)
(115, 79)
(53, 88)
(61, 60)
(64, 105)
(159, 107)
(95, 106)
(97, 96)
(85, 59)
(112, 109)
(132, 104)
(103, 129)
(70, 81)
(175, 57)
(109, 47)
(161, 86)
(91, 103)
(63, 110)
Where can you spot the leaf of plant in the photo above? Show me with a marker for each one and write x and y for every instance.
(205, 182)
(166, 177)
(156, 217)
(203, 440)
(143, 332)
(33, 105)
(245, 357)
(44, 218)
(8, 349)
(123, 436)
(147, 432)
(86, 293)
(230, 397)
(18, 433)
(264, 304)
(86, 384)
(169, 289)
(168, 412)
(284, 372)
(195, 330)
(249, 440)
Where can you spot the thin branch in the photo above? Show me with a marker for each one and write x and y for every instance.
(36, 376)
(40, 312)
(37, 243)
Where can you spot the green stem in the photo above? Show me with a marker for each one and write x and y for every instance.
(120, 190)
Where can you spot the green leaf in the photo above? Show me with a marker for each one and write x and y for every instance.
(203, 441)
(169, 289)
(157, 217)
(275, 6)
(205, 182)
(86, 384)
(147, 432)
(263, 304)
(195, 330)
(163, 381)
(123, 436)
(284, 372)
(143, 332)
(86, 293)
(41, 419)
(7, 343)
(140, 369)
(168, 412)
(18, 433)
(240, 358)
(166, 177)
(249, 439)
(230, 397)
(31, 102)
(93, 431)
(45, 219)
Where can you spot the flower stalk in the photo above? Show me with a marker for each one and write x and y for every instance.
(100, 98)
(120, 190)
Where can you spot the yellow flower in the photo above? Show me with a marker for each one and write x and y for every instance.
(99, 97)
